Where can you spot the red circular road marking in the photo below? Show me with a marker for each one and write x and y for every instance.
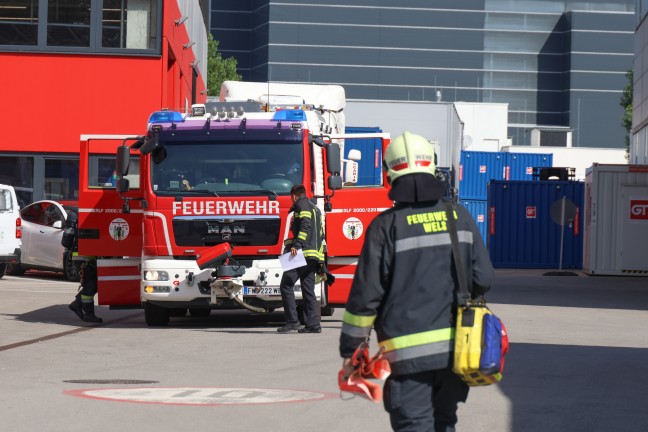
(206, 396)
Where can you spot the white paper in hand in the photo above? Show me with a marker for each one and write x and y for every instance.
(289, 262)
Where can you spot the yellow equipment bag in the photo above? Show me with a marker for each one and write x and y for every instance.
(469, 339)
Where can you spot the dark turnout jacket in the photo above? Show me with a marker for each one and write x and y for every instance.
(405, 285)
(307, 230)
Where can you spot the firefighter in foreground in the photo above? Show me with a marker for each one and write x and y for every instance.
(83, 304)
(306, 234)
(405, 287)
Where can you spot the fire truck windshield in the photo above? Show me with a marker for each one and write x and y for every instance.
(226, 169)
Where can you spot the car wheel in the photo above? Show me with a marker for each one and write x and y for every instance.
(3, 269)
(15, 270)
(155, 316)
(71, 268)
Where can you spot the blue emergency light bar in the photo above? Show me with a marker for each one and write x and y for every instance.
(166, 117)
(289, 115)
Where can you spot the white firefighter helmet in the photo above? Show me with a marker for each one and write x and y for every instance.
(408, 154)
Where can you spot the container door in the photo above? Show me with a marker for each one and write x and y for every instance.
(634, 228)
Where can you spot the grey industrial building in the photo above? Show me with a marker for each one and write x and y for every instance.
(560, 65)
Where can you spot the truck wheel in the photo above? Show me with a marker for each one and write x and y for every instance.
(327, 311)
(3, 269)
(15, 270)
(155, 316)
(178, 312)
(300, 314)
(199, 312)
(71, 269)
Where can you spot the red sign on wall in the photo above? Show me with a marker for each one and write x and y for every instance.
(531, 212)
(638, 209)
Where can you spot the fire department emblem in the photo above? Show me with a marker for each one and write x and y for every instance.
(352, 228)
(118, 229)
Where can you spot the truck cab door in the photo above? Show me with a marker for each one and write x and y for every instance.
(105, 230)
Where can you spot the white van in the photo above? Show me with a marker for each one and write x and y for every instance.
(10, 228)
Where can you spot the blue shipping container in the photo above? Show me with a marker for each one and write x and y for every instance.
(519, 166)
(521, 231)
(479, 211)
(476, 169)
(370, 167)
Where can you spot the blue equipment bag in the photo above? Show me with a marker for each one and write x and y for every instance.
(491, 356)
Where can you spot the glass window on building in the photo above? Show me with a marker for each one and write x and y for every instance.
(68, 23)
(18, 171)
(62, 179)
(19, 22)
(129, 24)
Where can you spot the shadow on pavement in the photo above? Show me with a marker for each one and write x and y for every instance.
(576, 388)
(605, 292)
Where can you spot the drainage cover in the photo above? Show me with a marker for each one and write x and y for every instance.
(109, 381)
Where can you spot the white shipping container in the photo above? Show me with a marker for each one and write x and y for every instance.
(616, 220)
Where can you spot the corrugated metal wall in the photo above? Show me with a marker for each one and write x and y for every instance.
(479, 211)
(521, 231)
(477, 168)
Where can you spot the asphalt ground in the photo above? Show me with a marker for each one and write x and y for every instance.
(578, 362)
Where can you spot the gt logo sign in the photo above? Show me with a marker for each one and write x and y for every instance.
(531, 212)
(638, 209)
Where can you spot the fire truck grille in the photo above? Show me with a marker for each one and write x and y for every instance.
(210, 231)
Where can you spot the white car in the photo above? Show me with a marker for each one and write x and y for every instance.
(42, 230)
(10, 230)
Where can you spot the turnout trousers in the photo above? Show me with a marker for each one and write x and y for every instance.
(424, 401)
(306, 276)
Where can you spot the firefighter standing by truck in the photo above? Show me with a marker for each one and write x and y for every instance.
(307, 233)
(83, 304)
(405, 287)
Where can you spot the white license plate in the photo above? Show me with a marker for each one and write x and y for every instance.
(261, 291)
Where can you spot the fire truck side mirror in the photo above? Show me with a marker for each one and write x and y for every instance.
(335, 182)
(333, 158)
(123, 161)
(123, 185)
(150, 142)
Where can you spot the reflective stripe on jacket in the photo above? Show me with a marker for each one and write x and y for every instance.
(404, 285)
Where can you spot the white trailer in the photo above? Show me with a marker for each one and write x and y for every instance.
(616, 220)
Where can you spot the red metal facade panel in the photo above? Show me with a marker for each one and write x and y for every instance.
(50, 99)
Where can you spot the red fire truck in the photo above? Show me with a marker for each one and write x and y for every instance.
(222, 174)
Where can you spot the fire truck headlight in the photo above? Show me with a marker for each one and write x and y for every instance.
(155, 275)
(157, 289)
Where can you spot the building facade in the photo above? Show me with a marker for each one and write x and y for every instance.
(639, 141)
(559, 65)
(73, 67)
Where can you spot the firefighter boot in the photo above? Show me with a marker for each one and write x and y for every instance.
(75, 306)
(89, 316)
